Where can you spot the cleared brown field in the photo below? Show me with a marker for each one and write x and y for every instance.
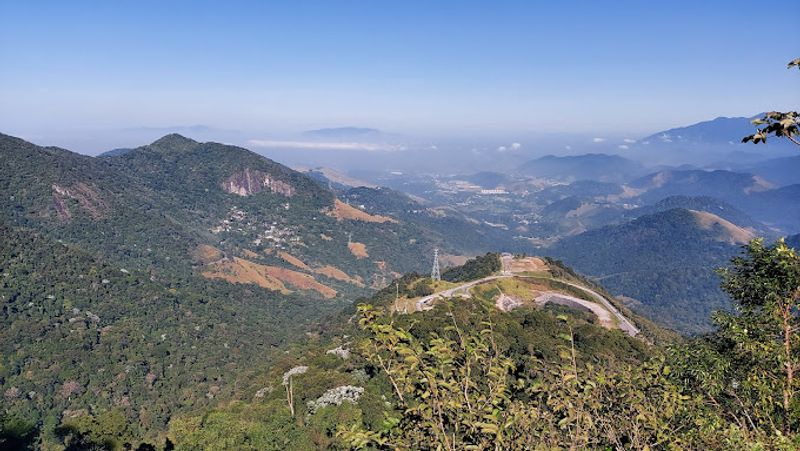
(729, 231)
(358, 249)
(336, 273)
(275, 278)
(240, 270)
(342, 211)
(294, 261)
(525, 264)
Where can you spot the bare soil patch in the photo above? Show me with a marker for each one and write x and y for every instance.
(358, 249)
(342, 211)
(275, 278)
(294, 261)
(336, 273)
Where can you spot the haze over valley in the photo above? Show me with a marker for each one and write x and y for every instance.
(409, 226)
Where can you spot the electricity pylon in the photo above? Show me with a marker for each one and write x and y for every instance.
(435, 273)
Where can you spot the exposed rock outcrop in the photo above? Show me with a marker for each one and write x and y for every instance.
(249, 182)
(88, 199)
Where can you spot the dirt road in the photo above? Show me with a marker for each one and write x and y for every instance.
(603, 309)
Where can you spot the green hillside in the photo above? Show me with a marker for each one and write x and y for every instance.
(664, 261)
(158, 280)
(84, 336)
(335, 362)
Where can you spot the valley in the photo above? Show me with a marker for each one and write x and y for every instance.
(399, 226)
(222, 255)
(651, 235)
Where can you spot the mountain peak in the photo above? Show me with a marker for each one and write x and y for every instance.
(174, 141)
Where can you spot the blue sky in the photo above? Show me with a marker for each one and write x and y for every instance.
(418, 67)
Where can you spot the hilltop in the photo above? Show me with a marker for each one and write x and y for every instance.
(663, 263)
(509, 283)
(333, 384)
(170, 273)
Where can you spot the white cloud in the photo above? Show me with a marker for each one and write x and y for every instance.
(512, 146)
(623, 146)
(598, 140)
(629, 141)
(315, 145)
(568, 147)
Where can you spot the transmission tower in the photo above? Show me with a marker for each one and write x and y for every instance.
(435, 273)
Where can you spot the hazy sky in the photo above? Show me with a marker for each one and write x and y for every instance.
(406, 66)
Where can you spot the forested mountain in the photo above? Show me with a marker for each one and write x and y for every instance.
(664, 261)
(115, 152)
(157, 206)
(162, 294)
(774, 206)
(486, 377)
(127, 360)
(725, 185)
(700, 203)
(83, 337)
(783, 171)
(146, 283)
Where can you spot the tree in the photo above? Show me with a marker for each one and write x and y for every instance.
(776, 123)
(288, 378)
(761, 337)
(453, 389)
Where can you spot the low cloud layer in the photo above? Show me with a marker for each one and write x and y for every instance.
(512, 146)
(315, 145)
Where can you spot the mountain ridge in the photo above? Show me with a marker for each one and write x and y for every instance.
(675, 285)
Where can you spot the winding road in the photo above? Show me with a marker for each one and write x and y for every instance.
(603, 308)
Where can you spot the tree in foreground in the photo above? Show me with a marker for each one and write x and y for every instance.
(776, 123)
(734, 389)
(761, 338)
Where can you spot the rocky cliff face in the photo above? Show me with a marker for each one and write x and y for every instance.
(88, 199)
(249, 182)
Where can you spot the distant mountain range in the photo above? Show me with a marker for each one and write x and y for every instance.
(599, 167)
(720, 130)
(711, 205)
(707, 142)
(775, 206)
(782, 171)
(343, 133)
